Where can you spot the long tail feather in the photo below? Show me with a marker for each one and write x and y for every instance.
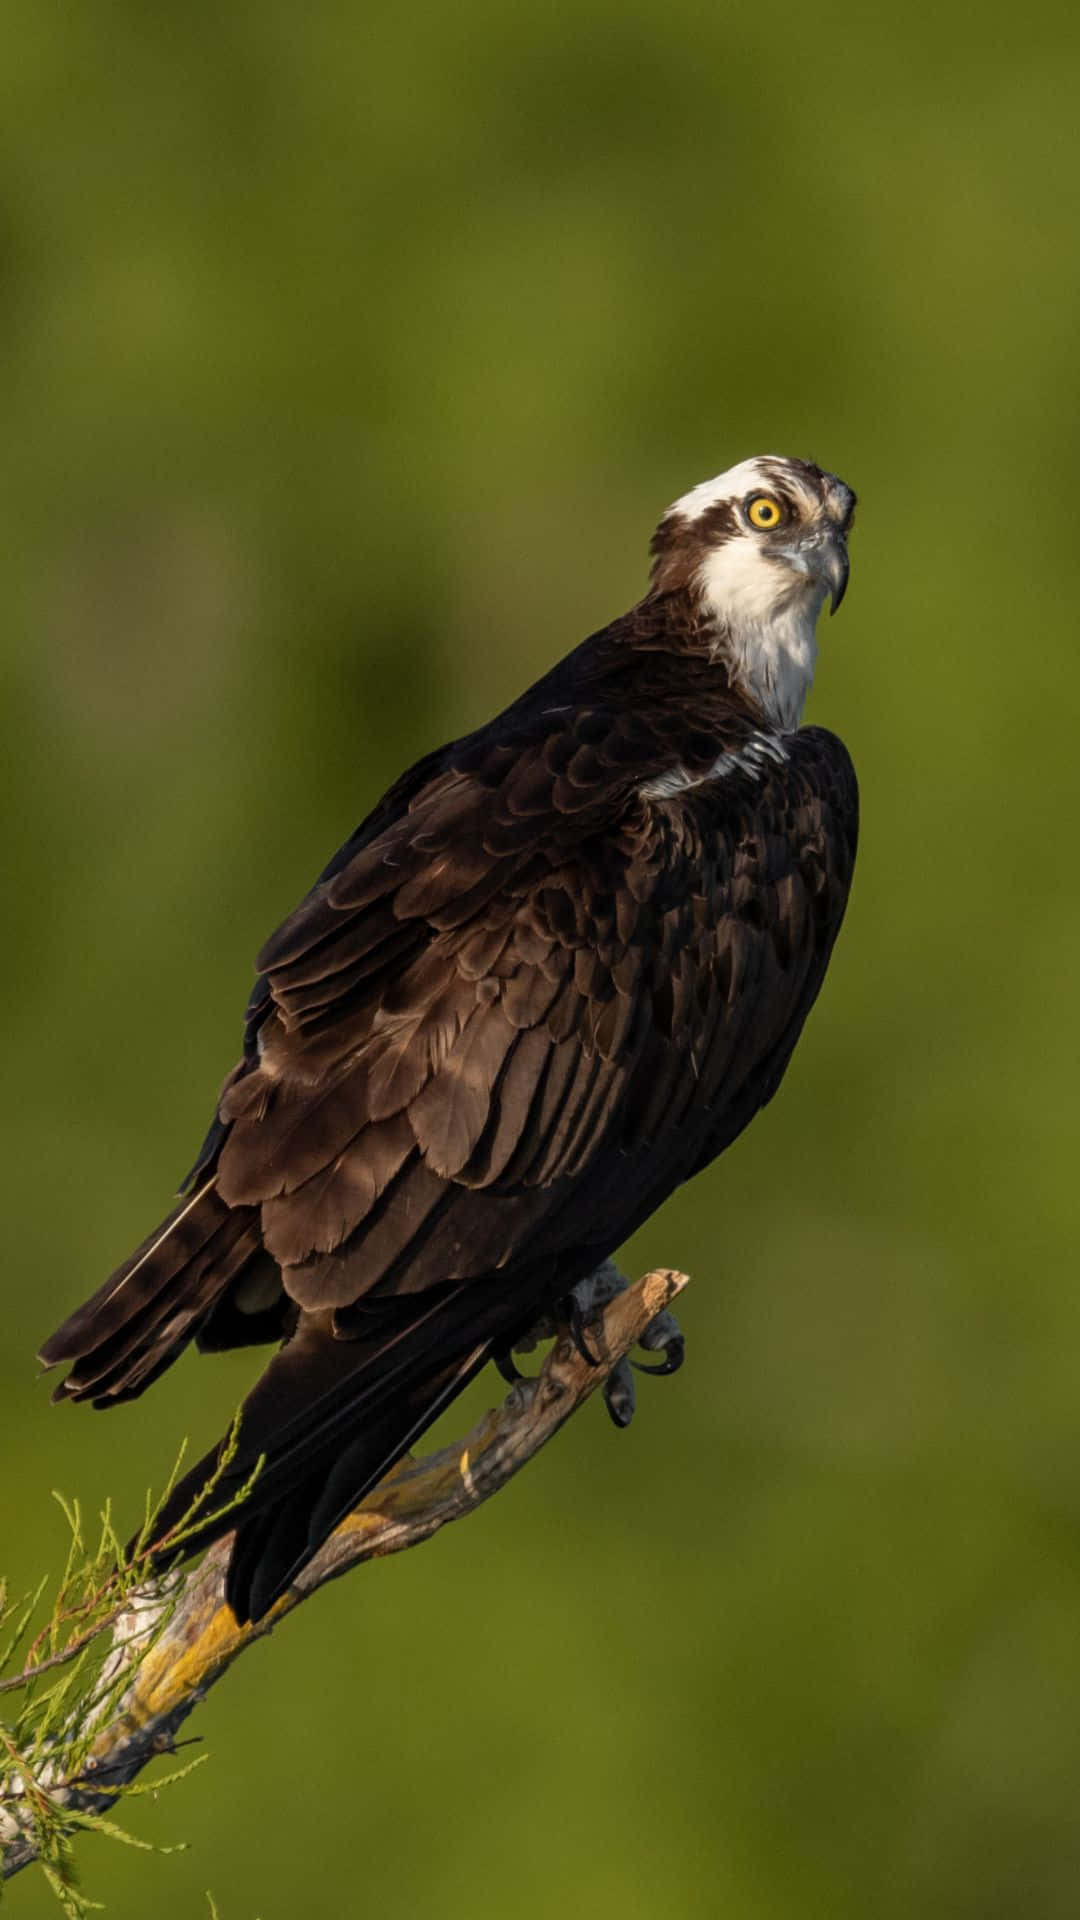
(329, 1418)
(142, 1318)
(272, 1547)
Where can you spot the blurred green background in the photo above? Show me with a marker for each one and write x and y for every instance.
(347, 357)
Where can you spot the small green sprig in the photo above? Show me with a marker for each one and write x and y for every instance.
(65, 1679)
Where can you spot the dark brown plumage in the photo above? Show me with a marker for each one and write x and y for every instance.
(533, 992)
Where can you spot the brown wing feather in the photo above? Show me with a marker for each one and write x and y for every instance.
(520, 1006)
(597, 1032)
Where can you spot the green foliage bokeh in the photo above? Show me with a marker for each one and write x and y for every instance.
(347, 358)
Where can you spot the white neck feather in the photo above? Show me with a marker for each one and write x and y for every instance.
(769, 625)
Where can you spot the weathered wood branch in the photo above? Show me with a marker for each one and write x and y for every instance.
(201, 1638)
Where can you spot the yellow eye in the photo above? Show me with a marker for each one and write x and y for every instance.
(764, 512)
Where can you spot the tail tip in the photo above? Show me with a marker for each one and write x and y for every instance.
(53, 1351)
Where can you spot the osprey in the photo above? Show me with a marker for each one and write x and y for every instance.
(553, 974)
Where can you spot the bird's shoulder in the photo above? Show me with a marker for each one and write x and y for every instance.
(825, 762)
(551, 771)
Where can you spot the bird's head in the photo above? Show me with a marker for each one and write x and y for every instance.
(758, 549)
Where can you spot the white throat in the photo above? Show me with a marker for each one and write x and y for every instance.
(770, 622)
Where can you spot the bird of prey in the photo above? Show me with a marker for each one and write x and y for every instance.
(553, 974)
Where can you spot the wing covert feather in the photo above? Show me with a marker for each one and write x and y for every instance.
(530, 972)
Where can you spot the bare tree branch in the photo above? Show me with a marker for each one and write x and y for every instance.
(201, 1639)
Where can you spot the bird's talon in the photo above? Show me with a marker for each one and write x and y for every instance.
(585, 1303)
(671, 1365)
(576, 1325)
(620, 1394)
(665, 1336)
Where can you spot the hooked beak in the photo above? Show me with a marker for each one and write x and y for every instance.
(831, 565)
(821, 557)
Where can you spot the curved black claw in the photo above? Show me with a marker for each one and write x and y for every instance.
(663, 1335)
(620, 1394)
(504, 1364)
(576, 1325)
(585, 1303)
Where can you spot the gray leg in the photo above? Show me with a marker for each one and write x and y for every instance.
(584, 1304)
